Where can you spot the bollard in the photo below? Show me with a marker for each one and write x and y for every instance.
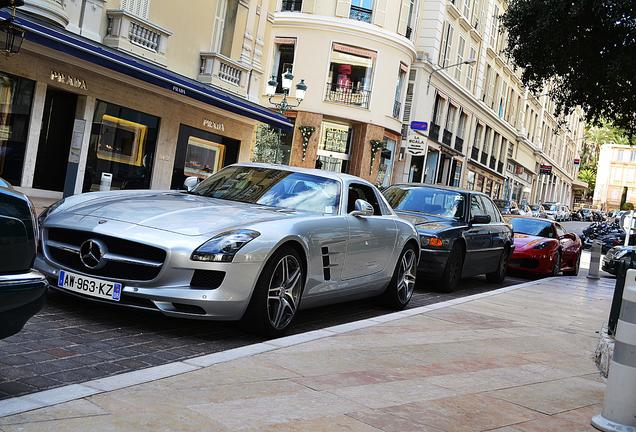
(595, 261)
(106, 181)
(619, 406)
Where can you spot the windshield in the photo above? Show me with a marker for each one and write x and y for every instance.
(532, 227)
(274, 188)
(436, 202)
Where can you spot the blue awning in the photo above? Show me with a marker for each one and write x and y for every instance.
(96, 53)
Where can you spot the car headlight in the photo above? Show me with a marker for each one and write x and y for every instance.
(542, 245)
(224, 246)
(50, 209)
(432, 242)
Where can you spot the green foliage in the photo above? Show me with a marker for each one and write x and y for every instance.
(586, 48)
(627, 206)
(267, 147)
(588, 176)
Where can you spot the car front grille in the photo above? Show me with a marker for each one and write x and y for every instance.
(125, 259)
(524, 262)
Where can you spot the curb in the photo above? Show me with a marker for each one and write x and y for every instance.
(55, 396)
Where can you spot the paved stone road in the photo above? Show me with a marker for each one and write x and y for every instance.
(73, 341)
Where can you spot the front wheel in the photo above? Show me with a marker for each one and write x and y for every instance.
(277, 294)
(400, 289)
(452, 274)
(499, 275)
(556, 268)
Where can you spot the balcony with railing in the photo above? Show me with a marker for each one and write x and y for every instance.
(137, 36)
(347, 95)
(474, 154)
(459, 144)
(433, 132)
(447, 137)
(220, 71)
(361, 14)
(292, 5)
(493, 163)
(397, 108)
(484, 159)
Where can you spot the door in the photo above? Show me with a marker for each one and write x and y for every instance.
(371, 239)
(478, 241)
(568, 247)
(55, 140)
(499, 232)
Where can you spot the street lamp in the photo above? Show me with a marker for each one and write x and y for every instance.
(287, 81)
(434, 71)
(11, 36)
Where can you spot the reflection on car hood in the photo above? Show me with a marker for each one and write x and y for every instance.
(177, 212)
(526, 241)
(430, 223)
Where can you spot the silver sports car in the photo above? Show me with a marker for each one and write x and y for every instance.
(253, 242)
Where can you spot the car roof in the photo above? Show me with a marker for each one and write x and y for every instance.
(317, 172)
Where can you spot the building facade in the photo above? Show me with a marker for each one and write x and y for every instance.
(130, 93)
(354, 56)
(486, 131)
(615, 176)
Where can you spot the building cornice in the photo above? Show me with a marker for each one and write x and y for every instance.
(345, 25)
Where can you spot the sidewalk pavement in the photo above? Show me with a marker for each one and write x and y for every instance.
(516, 359)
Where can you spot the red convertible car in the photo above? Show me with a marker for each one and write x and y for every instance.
(544, 247)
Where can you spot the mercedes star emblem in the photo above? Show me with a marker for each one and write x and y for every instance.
(92, 254)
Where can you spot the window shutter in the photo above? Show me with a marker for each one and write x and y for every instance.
(404, 17)
(379, 12)
(136, 7)
(308, 6)
(343, 7)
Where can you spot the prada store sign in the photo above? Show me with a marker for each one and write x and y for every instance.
(219, 126)
(68, 80)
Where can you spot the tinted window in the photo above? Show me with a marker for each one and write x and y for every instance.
(272, 187)
(533, 227)
(476, 207)
(437, 202)
(490, 209)
(359, 191)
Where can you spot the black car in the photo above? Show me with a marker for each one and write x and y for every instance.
(462, 233)
(22, 290)
(615, 255)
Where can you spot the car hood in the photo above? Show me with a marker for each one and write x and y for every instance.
(178, 212)
(526, 241)
(428, 223)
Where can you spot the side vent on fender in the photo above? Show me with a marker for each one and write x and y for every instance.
(326, 266)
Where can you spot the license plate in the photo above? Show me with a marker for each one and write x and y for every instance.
(89, 286)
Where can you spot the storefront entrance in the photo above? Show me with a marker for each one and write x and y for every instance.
(55, 140)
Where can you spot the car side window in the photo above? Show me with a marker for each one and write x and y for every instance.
(491, 210)
(560, 230)
(359, 191)
(476, 207)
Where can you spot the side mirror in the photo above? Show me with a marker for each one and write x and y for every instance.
(190, 183)
(480, 220)
(362, 209)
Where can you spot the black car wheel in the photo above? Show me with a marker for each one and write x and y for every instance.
(453, 271)
(556, 268)
(575, 270)
(499, 275)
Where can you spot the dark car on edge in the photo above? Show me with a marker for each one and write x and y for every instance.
(22, 290)
(615, 255)
(462, 233)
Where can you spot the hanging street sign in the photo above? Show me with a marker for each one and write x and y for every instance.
(545, 169)
(419, 126)
(416, 145)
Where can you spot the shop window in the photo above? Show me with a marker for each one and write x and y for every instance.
(16, 98)
(479, 185)
(122, 143)
(386, 162)
(138, 8)
(334, 145)
(350, 76)
(361, 10)
(488, 189)
(284, 51)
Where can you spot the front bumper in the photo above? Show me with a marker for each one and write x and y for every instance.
(432, 262)
(532, 262)
(171, 293)
(21, 297)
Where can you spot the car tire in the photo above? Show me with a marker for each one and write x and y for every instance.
(277, 294)
(499, 275)
(452, 274)
(577, 266)
(400, 290)
(556, 268)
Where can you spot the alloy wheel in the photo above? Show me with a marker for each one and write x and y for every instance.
(406, 276)
(284, 291)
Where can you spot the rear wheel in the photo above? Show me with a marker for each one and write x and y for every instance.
(277, 294)
(400, 289)
(575, 270)
(499, 275)
(453, 271)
